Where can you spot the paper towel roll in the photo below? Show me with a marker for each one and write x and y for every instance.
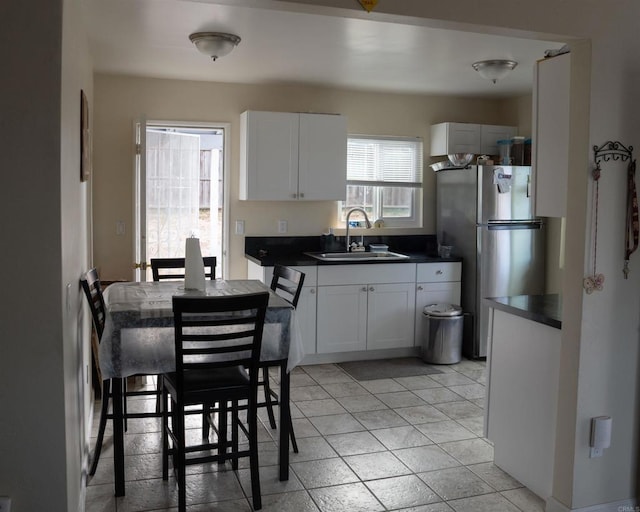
(194, 266)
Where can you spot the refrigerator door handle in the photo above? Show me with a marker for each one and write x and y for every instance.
(514, 225)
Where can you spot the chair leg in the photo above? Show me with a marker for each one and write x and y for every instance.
(158, 394)
(235, 419)
(222, 431)
(252, 421)
(104, 411)
(206, 411)
(268, 394)
(292, 434)
(181, 459)
(165, 434)
(124, 403)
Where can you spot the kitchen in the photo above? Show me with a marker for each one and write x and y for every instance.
(121, 166)
(120, 99)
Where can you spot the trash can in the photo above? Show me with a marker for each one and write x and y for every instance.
(442, 343)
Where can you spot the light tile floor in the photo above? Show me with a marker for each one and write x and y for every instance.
(410, 444)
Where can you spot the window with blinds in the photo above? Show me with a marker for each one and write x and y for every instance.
(384, 176)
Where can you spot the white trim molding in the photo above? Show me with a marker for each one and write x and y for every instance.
(615, 506)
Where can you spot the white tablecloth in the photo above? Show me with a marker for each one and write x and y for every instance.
(138, 337)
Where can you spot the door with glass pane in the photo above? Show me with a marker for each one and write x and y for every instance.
(179, 175)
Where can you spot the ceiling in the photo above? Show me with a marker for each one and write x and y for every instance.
(151, 38)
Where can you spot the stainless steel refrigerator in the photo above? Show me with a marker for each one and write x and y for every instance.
(486, 214)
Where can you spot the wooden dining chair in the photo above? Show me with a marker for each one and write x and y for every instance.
(92, 288)
(173, 268)
(286, 282)
(217, 343)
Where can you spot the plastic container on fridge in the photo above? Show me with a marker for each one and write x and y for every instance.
(505, 151)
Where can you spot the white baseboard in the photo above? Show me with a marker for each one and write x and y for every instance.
(615, 506)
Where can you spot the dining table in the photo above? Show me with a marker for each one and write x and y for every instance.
(138, 339)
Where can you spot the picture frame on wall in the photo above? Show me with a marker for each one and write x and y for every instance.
(85, 138)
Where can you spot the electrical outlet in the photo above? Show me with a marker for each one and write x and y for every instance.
(5, 504)
(282, 226)
(120, 228)
(239, 227)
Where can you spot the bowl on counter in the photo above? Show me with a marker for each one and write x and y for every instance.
(460, 159)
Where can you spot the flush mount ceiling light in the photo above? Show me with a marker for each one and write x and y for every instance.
(214, 44)
(494, 70)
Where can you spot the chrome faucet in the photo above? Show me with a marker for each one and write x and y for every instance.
(366, 220)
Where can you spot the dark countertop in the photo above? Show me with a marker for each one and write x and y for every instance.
(304, 260)
(289, 251)
(544, 309)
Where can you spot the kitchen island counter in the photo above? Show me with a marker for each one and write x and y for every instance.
(544, 309)
(523, 365)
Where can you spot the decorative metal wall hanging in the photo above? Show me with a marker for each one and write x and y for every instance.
(614, 151)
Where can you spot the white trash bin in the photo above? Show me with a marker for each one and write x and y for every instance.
(442, 343)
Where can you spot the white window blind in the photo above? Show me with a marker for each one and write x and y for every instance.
(393, 161)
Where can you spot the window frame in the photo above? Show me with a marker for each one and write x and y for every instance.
(415, 219)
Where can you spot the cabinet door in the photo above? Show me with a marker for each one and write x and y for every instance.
(342, 318)
(448, 138)
(390, 315)
(306, 315)
(433, 293)
(269, 156)
(490, 135)
(322, 157)
(551, 135)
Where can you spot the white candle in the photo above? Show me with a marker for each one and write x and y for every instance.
(194, 266)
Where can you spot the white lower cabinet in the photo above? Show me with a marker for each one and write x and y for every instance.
(306, 314)
(390, 309)
(365, 307)
(365, 317)
(342, 318)
(356, 307)
(306, 309)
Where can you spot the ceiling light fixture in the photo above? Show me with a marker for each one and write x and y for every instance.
(494, 70)
(214, 44)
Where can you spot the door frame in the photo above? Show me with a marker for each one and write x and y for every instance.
(146, 123)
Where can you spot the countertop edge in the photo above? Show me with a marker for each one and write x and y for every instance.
(543, 309)
(303, 260)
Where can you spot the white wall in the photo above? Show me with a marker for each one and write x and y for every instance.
(75, 244)
(41, 211)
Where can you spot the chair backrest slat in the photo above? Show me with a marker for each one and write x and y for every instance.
(158, 265)
(93, 291)
(287, 282)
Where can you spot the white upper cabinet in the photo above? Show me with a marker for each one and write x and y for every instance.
(550, 150)
(479, 139)
(289, 156)
(490, 134)
(449, 138)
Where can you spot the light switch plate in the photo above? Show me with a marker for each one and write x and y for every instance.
(5, 504)
(595, 452)
(239, 227)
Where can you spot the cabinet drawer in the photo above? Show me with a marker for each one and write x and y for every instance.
(366, 274)
(437, 272)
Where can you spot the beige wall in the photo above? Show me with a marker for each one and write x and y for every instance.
(120, 100)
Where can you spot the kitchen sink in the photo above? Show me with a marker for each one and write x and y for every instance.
(357, 256)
